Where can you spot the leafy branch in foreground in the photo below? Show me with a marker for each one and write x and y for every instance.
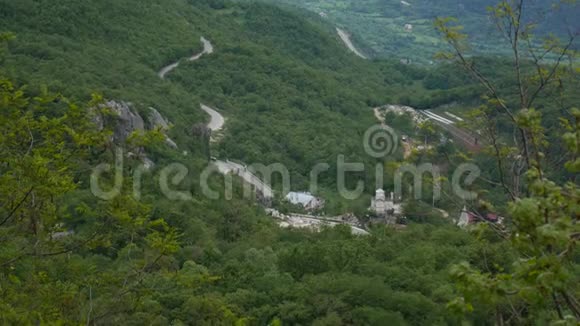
(543, 215)
(44, 143)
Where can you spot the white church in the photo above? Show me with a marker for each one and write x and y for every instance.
(386, 208)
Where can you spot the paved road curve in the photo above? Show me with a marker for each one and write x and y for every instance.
(242, 171)
(217, 121)
(207, 49)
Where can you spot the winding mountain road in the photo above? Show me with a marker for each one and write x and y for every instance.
(345, 37)
(316, 223)
(217, 122)
(207, 49)
(242, 171)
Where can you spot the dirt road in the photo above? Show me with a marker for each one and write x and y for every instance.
(345, 37)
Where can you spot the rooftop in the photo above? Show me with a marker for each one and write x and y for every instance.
(300, 198)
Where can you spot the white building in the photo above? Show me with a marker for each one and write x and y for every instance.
(465, 218)
(408, 28)
(386, 208)
(306, 200)
(379, 204)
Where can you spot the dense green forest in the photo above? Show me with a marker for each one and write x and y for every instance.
(291, 93)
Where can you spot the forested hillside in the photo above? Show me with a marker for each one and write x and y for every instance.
(290, 93)
(287, 88)
(404, 29)
(295, 78)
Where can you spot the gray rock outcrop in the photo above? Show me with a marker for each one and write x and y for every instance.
(157, 121)
(129, 121)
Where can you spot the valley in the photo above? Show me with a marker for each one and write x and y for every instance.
(216, 124)
(403, 30)
(221, 162)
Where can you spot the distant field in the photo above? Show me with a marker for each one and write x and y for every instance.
(379, 25)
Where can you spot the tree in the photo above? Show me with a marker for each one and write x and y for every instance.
(536, 71)
(47, 271)
(542, 283)
(44, 141)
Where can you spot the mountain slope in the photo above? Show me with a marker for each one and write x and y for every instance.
(287, 87)
(404, 29)
(290, 92)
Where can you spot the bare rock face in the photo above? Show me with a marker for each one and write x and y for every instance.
(157, 121)
(97, 119)
(170, 143)
(129, 120)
